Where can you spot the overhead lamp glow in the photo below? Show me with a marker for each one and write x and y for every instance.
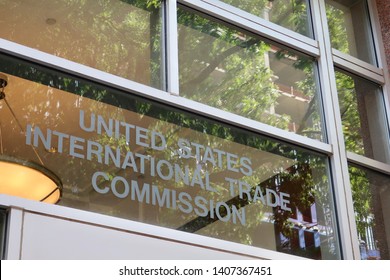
(24, 178)
(28, 180)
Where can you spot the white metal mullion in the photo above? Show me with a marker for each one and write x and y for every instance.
(14, 234)
(266, 23)
(172, 47)
(367, 71)
(369, 163)
(358, 63)
(381, 56)
(339, 164)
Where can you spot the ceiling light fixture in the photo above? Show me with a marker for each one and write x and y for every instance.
(28, 180)
(23, 178)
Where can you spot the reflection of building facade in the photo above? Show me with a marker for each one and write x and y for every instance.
(205, 129)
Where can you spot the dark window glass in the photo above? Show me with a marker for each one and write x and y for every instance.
(350, 28)
(363, 116)
(3, 224)
(371, 196)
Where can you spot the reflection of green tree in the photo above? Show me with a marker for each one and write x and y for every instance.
(370, 214)
(350, 113)
(337, 28)
(232, 70)
(287, 13)
(118, 37)
(361, 195)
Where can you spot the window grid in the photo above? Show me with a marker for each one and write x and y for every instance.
(339, 164)
(318, 48)
(332, 119)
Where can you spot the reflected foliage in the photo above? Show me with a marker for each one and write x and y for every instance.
(237, 72)
(363, 116)
(119, 37)
(370, 192)
(350, 28)
(337, 28)
(289, 14)
(349, 112)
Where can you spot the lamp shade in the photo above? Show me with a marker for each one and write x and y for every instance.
(28, 180)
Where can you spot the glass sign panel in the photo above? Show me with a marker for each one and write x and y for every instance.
(124, 156)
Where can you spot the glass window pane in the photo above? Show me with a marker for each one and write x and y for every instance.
(291, 14)
(128, 157)
(371, 196)
(363, 116)
(350, 28)
(119, 37)
(237, 72)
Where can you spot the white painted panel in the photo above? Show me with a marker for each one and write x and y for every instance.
(14, 233)
(47, 237)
